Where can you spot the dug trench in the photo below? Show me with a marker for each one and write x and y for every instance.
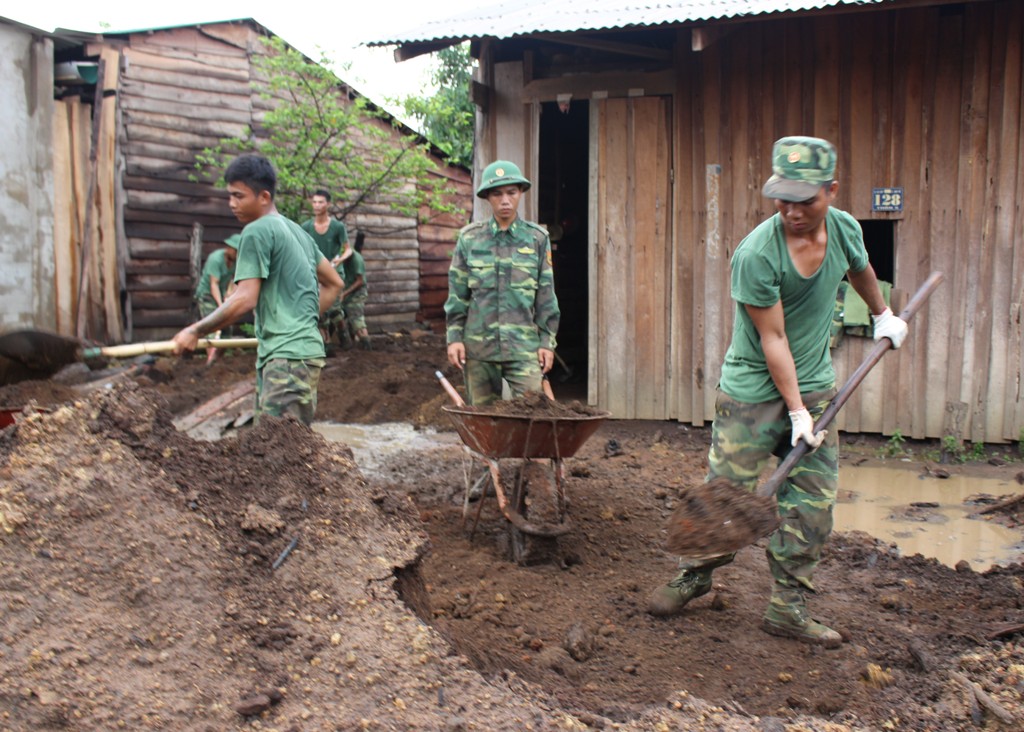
(139, 589)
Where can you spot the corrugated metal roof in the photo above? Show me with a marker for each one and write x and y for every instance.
(523, 17)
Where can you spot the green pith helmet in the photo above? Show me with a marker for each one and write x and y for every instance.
(501, 173)
(233, 241)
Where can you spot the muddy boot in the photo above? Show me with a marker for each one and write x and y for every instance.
(364, 343)
(671, 598)
(787, 617)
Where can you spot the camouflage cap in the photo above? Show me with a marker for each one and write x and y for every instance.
(233, 241)
(800, 167)
(501, 173)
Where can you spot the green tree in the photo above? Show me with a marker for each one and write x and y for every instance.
(448, 116)
(317, 134)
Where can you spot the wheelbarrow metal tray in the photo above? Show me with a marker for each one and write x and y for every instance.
(516, 436)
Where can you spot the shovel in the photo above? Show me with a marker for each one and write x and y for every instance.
(40, 354)
(720, 517)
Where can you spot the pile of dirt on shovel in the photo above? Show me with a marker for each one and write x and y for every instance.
(139, 590)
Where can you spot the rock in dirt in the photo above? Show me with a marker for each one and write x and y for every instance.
(579, 642)
(253, 705)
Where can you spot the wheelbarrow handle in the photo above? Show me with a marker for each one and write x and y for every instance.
(793, 457)
(456, 397)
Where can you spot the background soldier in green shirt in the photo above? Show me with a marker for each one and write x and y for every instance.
(278, 272)
(347, 317)
(217, 277)
(502, 314)
(330, 234)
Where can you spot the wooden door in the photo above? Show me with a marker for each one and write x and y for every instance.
(630, 257)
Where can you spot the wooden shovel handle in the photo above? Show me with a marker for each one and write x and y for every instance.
(775, 480)
(138, 349)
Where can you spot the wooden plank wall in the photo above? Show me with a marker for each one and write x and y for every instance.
(928, 99)
(71, 143)
(182, 90)
(630, 253)
(437, 234)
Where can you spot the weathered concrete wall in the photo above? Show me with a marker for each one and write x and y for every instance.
(26, 179)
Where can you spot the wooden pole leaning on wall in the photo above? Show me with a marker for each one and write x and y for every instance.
(195, 254)
(88, 290)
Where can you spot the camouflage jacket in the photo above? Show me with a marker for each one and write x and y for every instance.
(501, 292)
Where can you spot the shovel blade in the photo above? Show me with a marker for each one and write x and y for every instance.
(41, 354)
(719, 517)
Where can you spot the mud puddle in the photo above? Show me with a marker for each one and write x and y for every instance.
(927, 515)
(374, 444)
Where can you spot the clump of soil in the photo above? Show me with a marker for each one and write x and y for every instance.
(43, 394)
(718, 517)
(535, 404)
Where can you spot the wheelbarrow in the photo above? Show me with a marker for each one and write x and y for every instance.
(540, 443)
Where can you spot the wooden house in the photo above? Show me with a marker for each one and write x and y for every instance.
(162, 96)
(647, 131)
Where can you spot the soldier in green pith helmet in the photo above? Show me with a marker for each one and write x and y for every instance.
(778, 377)
(502, 314)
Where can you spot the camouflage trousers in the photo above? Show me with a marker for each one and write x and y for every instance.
(483, 379)
(205, 305)
(355, 313)
(284, 386)
(350, 314)
(744, 437)
(333, 317)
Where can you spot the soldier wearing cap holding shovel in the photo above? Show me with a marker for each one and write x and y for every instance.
(778, 378)
(502, 314)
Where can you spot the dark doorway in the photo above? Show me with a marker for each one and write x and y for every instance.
(563, 207)
(880, 241)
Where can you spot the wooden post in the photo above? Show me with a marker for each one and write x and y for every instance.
(90, 286)
(195, 254)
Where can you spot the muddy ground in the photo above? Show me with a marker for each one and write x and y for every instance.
(139, 588)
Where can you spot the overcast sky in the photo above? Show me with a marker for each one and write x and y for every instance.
(302, 25)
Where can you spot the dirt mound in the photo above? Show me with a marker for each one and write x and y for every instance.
(140, 591)
(138, 585)
(394, 382)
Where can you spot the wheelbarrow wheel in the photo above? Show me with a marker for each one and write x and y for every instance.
(534, 495)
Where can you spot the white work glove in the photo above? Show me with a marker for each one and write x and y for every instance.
(803, 429)
(890, 326)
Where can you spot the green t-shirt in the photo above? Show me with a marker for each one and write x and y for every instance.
(763, 274)
(216, 266)
(333, 241)
(349, 270)
(277, 251)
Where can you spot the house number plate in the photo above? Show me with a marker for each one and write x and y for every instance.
(886, 199)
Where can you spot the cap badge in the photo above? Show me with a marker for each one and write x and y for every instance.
(499, 172)
(793, 157)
